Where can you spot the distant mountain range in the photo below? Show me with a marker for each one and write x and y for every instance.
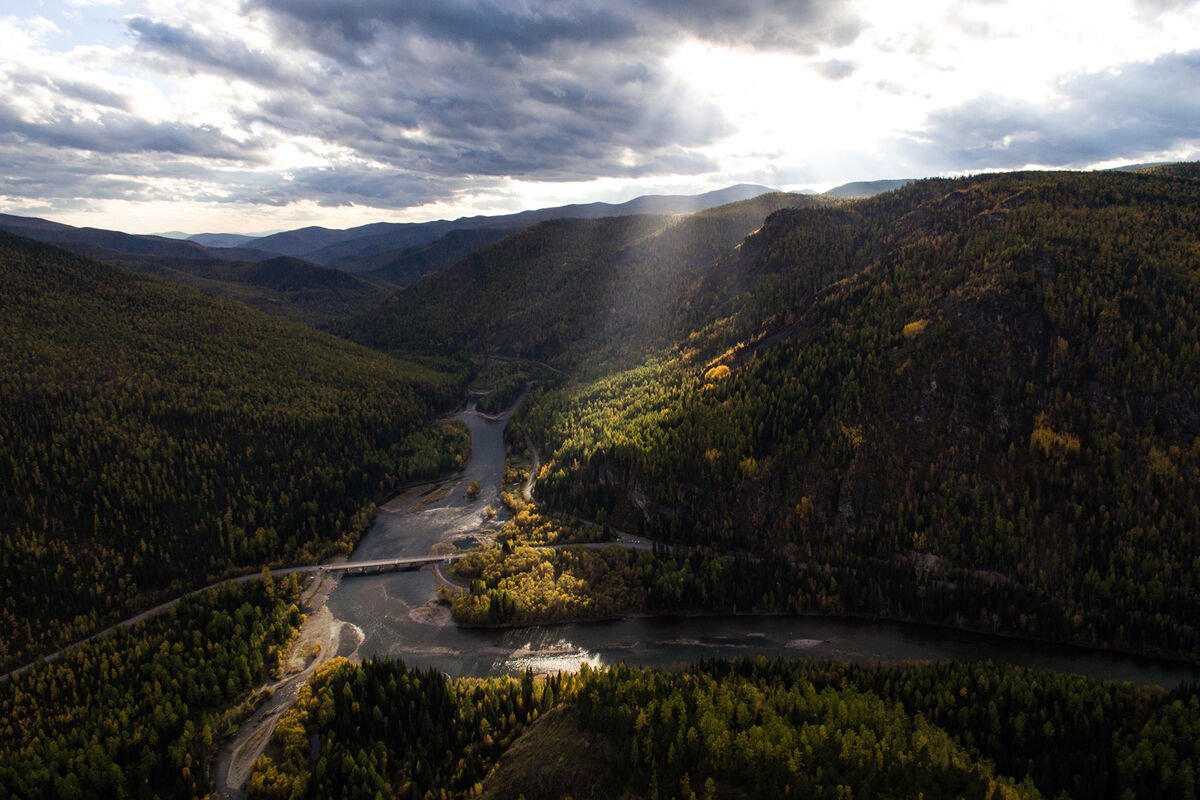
(353, 248)
(103, 244)
(222, 239)
(385, 254)
(380, 256)
(285, 287)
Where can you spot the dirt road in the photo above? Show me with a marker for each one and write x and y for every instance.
(321, 638)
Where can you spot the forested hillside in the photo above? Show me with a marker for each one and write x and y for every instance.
(970, 401)
(748, 728)
(285, 287)
(141, 712)
(152, 438)
(281, 286)
(567, 289)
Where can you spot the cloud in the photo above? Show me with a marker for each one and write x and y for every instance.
(1137, 109)
(386, 105)
(49, 173)
(1158, 7)
(797, 26)
(119, 133)
(835, 69)
(498, 29)
(447, 88)
(184, 47)
(83, 91)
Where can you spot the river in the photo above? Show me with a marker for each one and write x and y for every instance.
(396, 616)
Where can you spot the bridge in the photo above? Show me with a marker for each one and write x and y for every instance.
(350, 568)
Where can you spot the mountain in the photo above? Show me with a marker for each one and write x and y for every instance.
(387, 255)
(973, 402)
(222, 239)
(867, 188)
(1188, 170)
(566, 288)
(100, 242)
(285, 287)
(153, 437)
(290, 288)
(408, 266)
(327, 247)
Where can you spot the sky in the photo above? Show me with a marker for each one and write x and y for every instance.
(261, 115)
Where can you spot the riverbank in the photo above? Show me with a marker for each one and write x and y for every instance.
(321, 637)
(416, 521)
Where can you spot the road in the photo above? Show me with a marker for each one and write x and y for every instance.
(321, 638)
(235, 760)
(623, 541)
(321, 634)
(158, 610)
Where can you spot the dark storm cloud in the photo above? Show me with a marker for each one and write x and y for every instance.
(346, 30)
(1142, 108)
(342, 29)
(447, 88)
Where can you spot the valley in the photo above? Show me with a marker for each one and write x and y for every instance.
(588, 400)
(799, 443)
(397, 616)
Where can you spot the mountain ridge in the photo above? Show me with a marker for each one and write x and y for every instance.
(325, 245)
(312, 294)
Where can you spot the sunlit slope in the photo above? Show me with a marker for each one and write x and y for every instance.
(151, 437)
(567, 289)
(972, 401)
